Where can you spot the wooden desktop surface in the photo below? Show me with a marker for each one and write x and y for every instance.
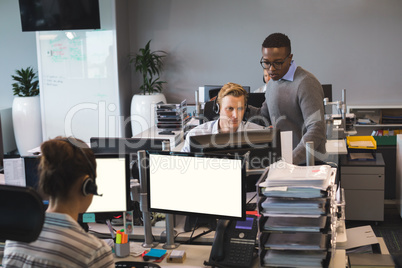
(195, 254)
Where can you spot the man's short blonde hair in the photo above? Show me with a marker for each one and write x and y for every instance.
(232, 89)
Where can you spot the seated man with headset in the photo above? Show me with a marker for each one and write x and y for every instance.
(231, 106)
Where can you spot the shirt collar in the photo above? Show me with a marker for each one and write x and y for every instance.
(289, 76)
(215, 127)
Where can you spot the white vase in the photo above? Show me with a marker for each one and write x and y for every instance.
(27, 123)
(143, 111)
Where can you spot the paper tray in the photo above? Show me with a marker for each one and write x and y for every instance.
(361, 142)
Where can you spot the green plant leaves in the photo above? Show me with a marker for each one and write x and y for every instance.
(26, 83)
(149, 64)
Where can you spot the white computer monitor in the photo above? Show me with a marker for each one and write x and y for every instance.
(196, 184)
(113, 181)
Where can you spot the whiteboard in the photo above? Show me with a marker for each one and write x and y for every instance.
(78, 84)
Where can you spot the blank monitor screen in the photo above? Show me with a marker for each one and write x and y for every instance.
(31, 164)
(184, 183)
(113, 173)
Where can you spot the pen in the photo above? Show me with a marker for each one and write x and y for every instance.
(111, 229)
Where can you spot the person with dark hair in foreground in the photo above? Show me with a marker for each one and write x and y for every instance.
(67, 172)
(293, 98)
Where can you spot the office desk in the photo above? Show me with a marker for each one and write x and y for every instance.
(102, 231)
(197, 254)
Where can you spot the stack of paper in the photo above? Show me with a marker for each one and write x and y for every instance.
(296, 203)
(367, 144)
(288, 258)
(296, 241)
(287, 180)
(298, 192)
(295, 224)
(301, 207)
(361, 239)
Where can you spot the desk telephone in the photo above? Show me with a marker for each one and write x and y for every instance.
(234, 243)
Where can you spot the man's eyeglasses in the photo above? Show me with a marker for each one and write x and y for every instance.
(277, 64)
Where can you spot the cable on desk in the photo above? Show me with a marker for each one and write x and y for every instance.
(199, 235)
(251, 199)
(191, 239)
(195, 225)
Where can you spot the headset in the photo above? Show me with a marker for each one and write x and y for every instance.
(216, 109)
(89, 186)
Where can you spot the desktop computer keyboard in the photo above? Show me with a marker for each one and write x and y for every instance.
(136, 264)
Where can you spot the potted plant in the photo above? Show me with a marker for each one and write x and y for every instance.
(149, 64)
(26, 110)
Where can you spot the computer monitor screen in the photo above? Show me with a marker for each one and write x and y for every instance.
(327, 88)
(256, 99)
(31, 164)
(263, 145)
(114, 145)
(195, 185)
(113, 181)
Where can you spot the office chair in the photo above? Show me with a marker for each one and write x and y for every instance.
(209, 113)
(22, 213)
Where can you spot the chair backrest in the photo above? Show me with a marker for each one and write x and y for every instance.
(22, 213)
(209, 113)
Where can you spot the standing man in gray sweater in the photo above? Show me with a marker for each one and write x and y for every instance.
(293, 98)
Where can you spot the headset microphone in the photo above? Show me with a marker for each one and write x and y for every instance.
(89, 186)
(215, 106)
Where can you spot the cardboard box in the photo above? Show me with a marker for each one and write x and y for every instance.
(176, 256)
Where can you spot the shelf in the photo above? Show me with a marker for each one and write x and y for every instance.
(378, 106)
(379, 125)
(378, 114)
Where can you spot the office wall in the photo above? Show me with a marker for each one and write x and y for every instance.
(350, 44)
(17, 49)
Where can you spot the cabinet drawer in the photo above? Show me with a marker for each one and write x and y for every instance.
(362, 182)
(362, 170)
(364, 205)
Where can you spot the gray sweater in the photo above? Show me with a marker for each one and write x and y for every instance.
(297, 106)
